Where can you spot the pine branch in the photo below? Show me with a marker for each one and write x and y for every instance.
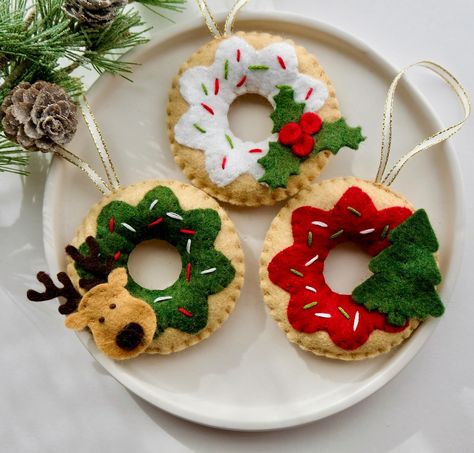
(13, 158)
(171, 5)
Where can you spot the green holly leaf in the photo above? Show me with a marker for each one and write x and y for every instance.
(334, 136)
(279, 163)
(286, 109)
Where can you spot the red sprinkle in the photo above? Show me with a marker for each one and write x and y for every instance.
(256, 150)
(308, 94)
(188, 272)
(216, 87)
(209, 109)
(238, 55)
(117, 256)
(242, 81)
(224, 162)
(282, 62)
(187, 231)
(156, 222)
(185, 312)
(111, 224)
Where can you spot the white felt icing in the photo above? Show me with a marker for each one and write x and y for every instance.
(200, 129)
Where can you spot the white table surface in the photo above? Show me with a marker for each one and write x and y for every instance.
(54, 397)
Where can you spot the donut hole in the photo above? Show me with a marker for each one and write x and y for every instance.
(249, 118)
(155, 264)
(346, 267)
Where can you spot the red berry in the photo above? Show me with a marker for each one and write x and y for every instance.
(310, 123)
(289, 134)
(304, 146)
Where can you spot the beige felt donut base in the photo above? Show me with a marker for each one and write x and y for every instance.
(227, 242)
(324, 196)
(246, 190)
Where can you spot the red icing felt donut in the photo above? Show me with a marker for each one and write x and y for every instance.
(313, 305)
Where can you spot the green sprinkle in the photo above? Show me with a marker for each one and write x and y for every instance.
(344, 313)
(259, 67)
(226, 69)
(336, 234)
(354, 211)
(229, 140)
(310, 239)
(204, 88)
(310, 305)
(384, 232)
(298, 273)
(199, 128)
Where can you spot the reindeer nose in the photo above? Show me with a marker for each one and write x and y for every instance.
(130, 336)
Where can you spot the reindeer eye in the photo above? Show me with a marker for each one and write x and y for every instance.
(101, 319)
(112, 306)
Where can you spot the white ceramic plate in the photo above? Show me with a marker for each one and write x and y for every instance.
(247, 376)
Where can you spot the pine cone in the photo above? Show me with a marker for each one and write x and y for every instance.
(93, 13)
(38, 116)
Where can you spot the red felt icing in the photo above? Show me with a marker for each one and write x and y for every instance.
(286, 267)
(304, 146)
(289, 134)
(311, 123)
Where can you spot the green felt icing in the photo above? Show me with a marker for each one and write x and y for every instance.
(405, 274)
(334, 136)
(279, 163)
(192, 295)
(287, 110)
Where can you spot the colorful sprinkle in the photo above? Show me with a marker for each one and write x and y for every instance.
(354, 211)
(156, 222)
(184, 231)
(238, 55)
(310, 238)
(188, 272)
(204, 88)
(185, 312)
(281, 61)
(356, 322)
(226, 69)
(162, 298)
(384, 233)
(323, 315)
(344, 313)
(117, 255)
(308, 94)
(199, 128)
(229, 141)
(224, 163)
(368, 231)
(336, 234)
(209, 271)
(256, 150)
(128, 227)
(111, 224)
(206, 107)
(310, 288)
(320, 224)
(310, 305)
(312, 260)
(153, 204)
(188, 246)
(298, 273)
(259, 67)
(216, 87)
(241, 82)
(173, 215)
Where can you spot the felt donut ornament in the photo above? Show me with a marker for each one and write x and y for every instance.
(125, 318)
(307, 124)
(401, 293)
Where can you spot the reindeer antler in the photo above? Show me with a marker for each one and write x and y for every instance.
(91, 263)
(52, 291)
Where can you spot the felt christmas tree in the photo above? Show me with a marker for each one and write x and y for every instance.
(405, 274)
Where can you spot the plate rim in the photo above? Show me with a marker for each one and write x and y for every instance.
(379, 379)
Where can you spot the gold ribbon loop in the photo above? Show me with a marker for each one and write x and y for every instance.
(229, 23)
(434, 139)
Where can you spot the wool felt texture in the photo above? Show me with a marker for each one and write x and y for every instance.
(219, 305)
(111, 314)
(245, 189)
(405, 274)
(205, 271)
(325, 196)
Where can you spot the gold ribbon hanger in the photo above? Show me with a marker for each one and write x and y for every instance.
(438, 137)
